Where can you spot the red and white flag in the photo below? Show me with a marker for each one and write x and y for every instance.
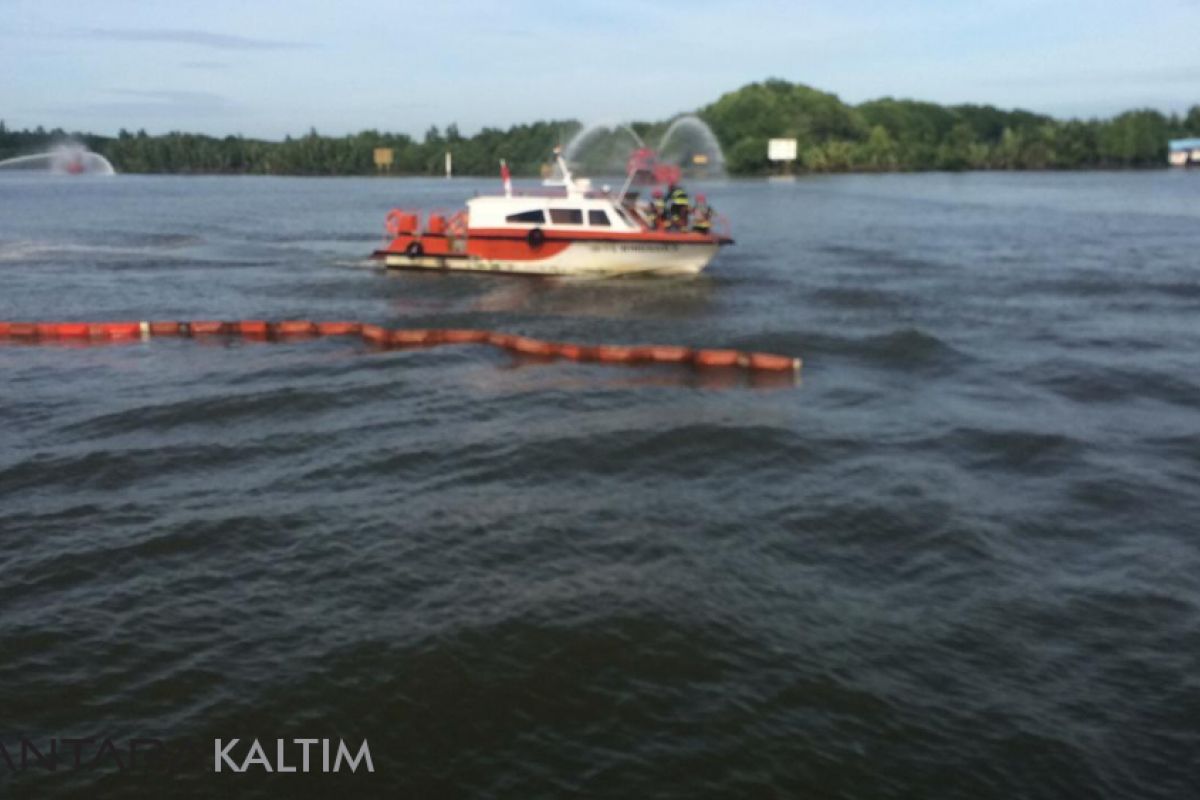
(504, 176)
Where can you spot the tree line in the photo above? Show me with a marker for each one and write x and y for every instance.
(832, 136)
(906, 135)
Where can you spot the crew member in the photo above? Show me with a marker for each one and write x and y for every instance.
(702, 215)
(678, 206)
(658, 210)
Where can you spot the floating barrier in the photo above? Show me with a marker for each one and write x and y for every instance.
(719, 358)
(400, 337)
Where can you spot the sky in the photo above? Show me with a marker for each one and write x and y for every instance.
(266, 69)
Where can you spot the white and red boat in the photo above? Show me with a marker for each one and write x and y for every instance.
(566, 229)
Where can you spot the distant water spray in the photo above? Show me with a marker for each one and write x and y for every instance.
(690, 143)
(62, 159)
(605, 148)
(601, 149)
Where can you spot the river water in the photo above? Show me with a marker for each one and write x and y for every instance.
(959, 558)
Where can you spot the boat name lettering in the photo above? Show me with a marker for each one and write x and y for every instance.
(648, 247)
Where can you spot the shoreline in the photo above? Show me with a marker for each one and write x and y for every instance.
(759, 177)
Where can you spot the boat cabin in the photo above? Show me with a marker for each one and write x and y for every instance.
(595, 214)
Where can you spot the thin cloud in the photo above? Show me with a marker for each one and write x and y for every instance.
(167, 103)
(173, 96)
(205, 65)
(1153, 75)
(219, 41)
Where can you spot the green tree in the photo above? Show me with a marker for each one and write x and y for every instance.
(1191, 123)
(1135, 138)
(955, 152)
(879, 151)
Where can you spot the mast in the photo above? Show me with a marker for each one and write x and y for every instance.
(568, 179)
(620, 199)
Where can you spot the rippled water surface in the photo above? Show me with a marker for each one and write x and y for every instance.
(959, 559)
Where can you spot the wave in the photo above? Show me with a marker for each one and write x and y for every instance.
(881, 258)
(902, 348)
(855, 297)
(1013, 450)
(1087, 382)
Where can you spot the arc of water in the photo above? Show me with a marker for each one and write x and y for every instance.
(574, 147)
(634, 134)
(601, 146)
(12, 162)
(56, 159)
(705, 136)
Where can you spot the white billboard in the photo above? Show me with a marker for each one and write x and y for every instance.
(781, 149)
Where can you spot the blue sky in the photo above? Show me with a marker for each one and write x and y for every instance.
(271, 68)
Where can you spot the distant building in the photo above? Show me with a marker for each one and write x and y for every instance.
(1183, 152)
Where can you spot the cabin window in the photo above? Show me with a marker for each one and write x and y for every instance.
(566, 216)
(598, 217)
(527, 216)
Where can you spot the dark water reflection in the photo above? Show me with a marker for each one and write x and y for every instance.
(957, 560)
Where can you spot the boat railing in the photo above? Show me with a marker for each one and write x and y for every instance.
(403, 222)
(561, 193)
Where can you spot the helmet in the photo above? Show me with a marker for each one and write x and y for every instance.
(700, 197)
(658, 192)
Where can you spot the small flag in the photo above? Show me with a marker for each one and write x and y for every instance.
(504, 176)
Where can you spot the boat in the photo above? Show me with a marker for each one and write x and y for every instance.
(566, 229)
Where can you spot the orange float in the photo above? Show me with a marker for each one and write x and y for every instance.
(669, 355)
(531, 347)
(641, 355)
(254, 328)
(339, 328)
(500, 339)
(576, 352)
(614, 354)
(716, 358)
(164, 328)
(119, 330)
(374, 333)
(207, 328)
(73, 330)
(295, 327)
(457, 336)
(411, 337)
(768, 362)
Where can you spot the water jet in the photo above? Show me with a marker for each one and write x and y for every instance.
(616, 149)
(69, 158)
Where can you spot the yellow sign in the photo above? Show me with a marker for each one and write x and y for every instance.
(700, 158)
(383, 157)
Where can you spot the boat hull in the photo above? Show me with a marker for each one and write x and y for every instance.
(595, 258)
